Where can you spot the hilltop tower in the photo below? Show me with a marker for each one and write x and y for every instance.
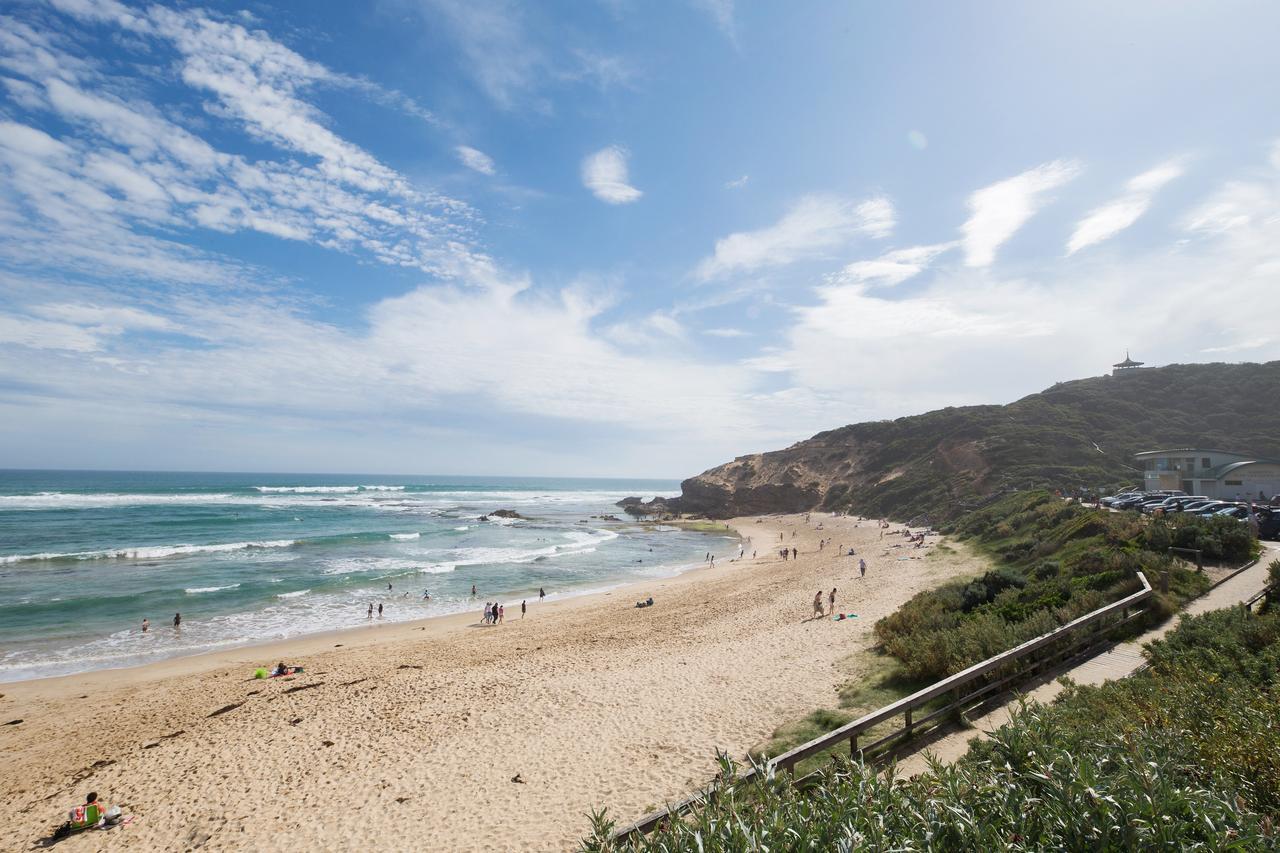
(1127, 364)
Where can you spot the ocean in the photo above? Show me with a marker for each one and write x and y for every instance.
(86, 556)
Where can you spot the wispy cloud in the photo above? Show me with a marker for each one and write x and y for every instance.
(121, 173)
(1118, 214)
(475, 159)
(726, 333)
(721, 12)
(814, 225)
(996, 212)
(605, 173)
(891, 268)
(737, 183)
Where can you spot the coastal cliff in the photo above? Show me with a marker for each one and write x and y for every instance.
(1079, 434)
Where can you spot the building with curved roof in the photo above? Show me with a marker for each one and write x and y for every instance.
(1213, 473)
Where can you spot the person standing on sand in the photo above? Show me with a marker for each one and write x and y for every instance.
(502, 612)
(177, 621)
(817, 605)
(794, 553)
(753, 555)
(831, 601)
(862, 568)
(713, 561)
(542, 593)
(146, 625)
(522, 609)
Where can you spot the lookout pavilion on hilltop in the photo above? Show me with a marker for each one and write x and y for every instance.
(1127, 364)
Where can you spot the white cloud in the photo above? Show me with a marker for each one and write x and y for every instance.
(1118, 214)
(726, 333)
(996, 212)
(123, 174)
(814, 225)
(737, 183)
(476, 159)
(721, 12)
(605, 174)
(893, 267)
(970, 335)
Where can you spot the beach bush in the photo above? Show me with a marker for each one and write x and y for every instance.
(1056, 561)
(1183, 756)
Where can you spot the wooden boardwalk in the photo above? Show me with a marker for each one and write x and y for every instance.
(1121, 661)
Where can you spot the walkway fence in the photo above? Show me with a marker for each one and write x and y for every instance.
(975, 685)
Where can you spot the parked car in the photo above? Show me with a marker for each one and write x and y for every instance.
(1212, 507)
(1132, 497)
(1123, 493)
(1197, 505)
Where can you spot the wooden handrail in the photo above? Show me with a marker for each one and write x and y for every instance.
(820, 744)
(789, 759)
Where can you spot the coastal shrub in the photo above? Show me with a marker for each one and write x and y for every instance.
(1183, 756)
(1057, 561)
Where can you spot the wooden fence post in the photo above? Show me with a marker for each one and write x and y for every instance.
(1164, 581)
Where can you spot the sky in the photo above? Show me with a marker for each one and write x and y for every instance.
(608, 237)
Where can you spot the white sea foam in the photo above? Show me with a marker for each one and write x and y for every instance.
(326, 490)
(154, 552)
(296, 594)
(463, 527)
(196, 590)
(404, 536)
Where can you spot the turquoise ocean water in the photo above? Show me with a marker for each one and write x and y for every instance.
(85, 556)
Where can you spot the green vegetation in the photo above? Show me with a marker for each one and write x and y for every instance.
(1075, 435)
(1056, 561)
(1186, 755)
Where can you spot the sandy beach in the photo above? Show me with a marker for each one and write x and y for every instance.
(410, 736)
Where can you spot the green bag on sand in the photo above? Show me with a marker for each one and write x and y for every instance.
(260, 672)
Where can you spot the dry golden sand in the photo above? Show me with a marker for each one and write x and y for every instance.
(407, 737)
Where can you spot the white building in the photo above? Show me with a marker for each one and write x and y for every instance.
(1212, 473)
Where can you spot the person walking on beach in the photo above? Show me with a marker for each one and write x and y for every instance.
(379, 609)
(831, 601)
(485, 618)
(753, 555)
(794, 553)
(502, 612)
(713, 561)
(542, 593)
(817, 605)
(177, 621)
(522, 609)
(862, 568)
(146, 624)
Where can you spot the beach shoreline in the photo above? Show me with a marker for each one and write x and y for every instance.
(484, 738)
(257, 653)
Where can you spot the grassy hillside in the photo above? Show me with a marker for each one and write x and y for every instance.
(1183, 756)
(1079, 434)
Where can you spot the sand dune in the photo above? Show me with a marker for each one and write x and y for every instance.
(408, 736)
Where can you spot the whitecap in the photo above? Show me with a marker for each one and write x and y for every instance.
(294, 594)
(196, 590)
(404, 536)
(153, 552)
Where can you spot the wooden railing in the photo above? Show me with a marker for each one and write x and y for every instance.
(965, 688)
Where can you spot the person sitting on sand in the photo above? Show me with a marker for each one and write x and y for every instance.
(281, 669)
(91, 815)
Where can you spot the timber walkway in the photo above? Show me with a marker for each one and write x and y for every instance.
(1120, 661)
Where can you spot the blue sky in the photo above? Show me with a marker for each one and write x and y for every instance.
(608, 237)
